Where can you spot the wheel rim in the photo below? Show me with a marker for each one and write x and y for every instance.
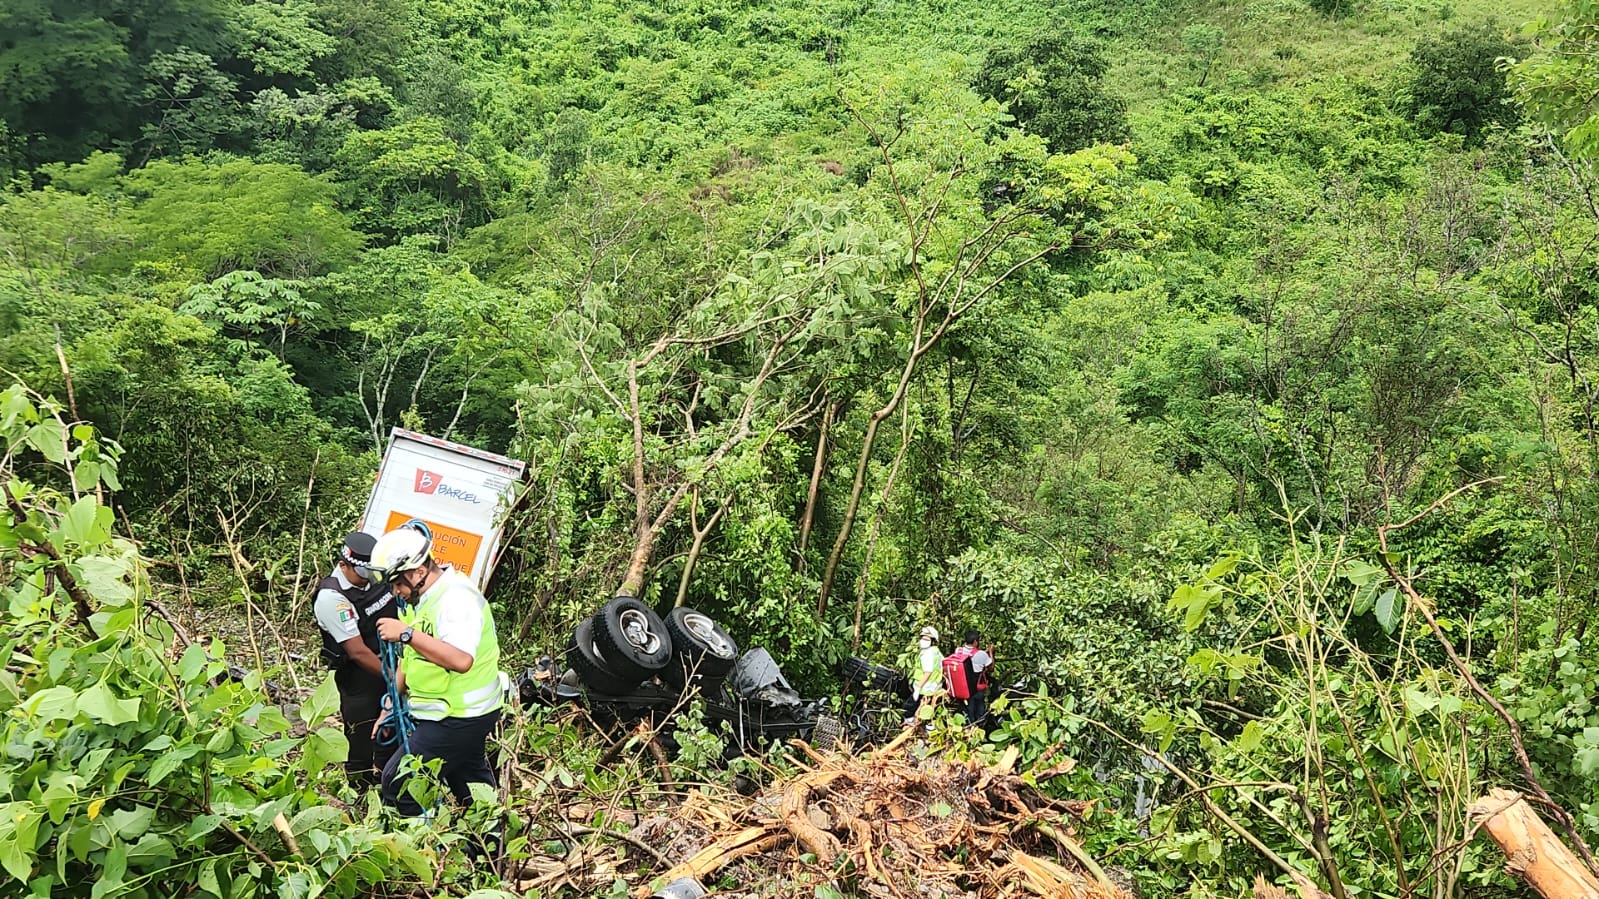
(704, 630)
(636, 630)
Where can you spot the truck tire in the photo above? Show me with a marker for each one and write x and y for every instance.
(632, 638)
(860, 673)
(592, 668)
(702, 646)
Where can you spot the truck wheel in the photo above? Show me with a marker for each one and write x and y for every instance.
(632, 638)
(703, 647)
(592, 668)
(860, 673)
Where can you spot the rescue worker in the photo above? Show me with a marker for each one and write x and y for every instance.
(927, 683)
(976, 663)
(449, 670)
(348, 606)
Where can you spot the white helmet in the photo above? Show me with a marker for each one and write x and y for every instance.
(931, 632)
(405, 548)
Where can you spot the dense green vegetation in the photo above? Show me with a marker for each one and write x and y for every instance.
(1115, 329)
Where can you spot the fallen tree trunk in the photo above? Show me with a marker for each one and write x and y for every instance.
(1532, 851)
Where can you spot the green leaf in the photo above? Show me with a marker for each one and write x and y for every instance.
(51, 442)
(1194, 602)
(323, 702)
(1587, 760)
(1360, 573)
(106, 578)
(1419, 702)
(192, 665)
(53, 703)
(324, 817)
(101, 704)
(1365, 597)
(1249, 739)
(169, 762)
(207, 879)
(1388, 610)
(323, 747)
(221, 740)
(131, 823)
(85, 475)
(201, 826)
(19, 828)
(1223, 566)
(87, 523)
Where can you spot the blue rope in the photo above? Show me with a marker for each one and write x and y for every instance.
(399, 705)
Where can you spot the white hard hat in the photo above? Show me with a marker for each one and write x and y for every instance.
(400, 550)
(930, 631)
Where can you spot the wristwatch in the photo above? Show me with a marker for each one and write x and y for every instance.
(405, 635)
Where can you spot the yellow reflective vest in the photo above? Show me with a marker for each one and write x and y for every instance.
(437, 692)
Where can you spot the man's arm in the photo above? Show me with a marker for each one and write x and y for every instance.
(441, 653)
(362, 655)
(428, 647)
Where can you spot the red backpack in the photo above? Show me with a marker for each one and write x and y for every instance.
(955, 676)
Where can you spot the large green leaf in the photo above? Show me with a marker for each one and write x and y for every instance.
(322, 748)
(48, 438)
(102, 704)
(106, 578)
(323, 701)
(87, 524)
(53, 703)
(1389, 609)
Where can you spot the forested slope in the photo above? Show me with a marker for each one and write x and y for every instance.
(1117, 330)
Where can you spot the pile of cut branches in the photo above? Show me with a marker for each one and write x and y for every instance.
(886, 824)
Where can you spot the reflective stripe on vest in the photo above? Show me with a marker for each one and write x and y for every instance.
(437, 692)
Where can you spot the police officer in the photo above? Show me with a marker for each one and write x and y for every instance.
(348, 606)
(450, 669)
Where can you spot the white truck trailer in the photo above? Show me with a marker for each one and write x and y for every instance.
(461, 492)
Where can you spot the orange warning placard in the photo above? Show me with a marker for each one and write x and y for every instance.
(450, 545)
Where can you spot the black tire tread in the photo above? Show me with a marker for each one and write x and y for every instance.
(615, 647)
(595, 673)
(859, 671)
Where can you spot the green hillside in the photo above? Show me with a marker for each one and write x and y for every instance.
(1231, 365)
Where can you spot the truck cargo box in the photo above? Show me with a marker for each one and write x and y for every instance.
(460, 491)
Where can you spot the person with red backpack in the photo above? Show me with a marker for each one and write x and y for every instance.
(966, 673)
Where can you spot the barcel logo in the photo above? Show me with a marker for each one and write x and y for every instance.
(432, 483)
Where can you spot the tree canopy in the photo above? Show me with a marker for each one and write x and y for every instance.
(1235, 366)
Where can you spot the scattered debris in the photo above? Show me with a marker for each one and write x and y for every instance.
(884, 824)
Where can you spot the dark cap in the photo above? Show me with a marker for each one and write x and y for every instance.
(357, 548)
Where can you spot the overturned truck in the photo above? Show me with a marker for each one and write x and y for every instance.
(627, 664)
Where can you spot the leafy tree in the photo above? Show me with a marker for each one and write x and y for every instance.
(413, 178)
(78, 76)
(1054, 86)
(250, 304)
(1203, 42)
(1456, 83)
(1559, 83)
(212, 218)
